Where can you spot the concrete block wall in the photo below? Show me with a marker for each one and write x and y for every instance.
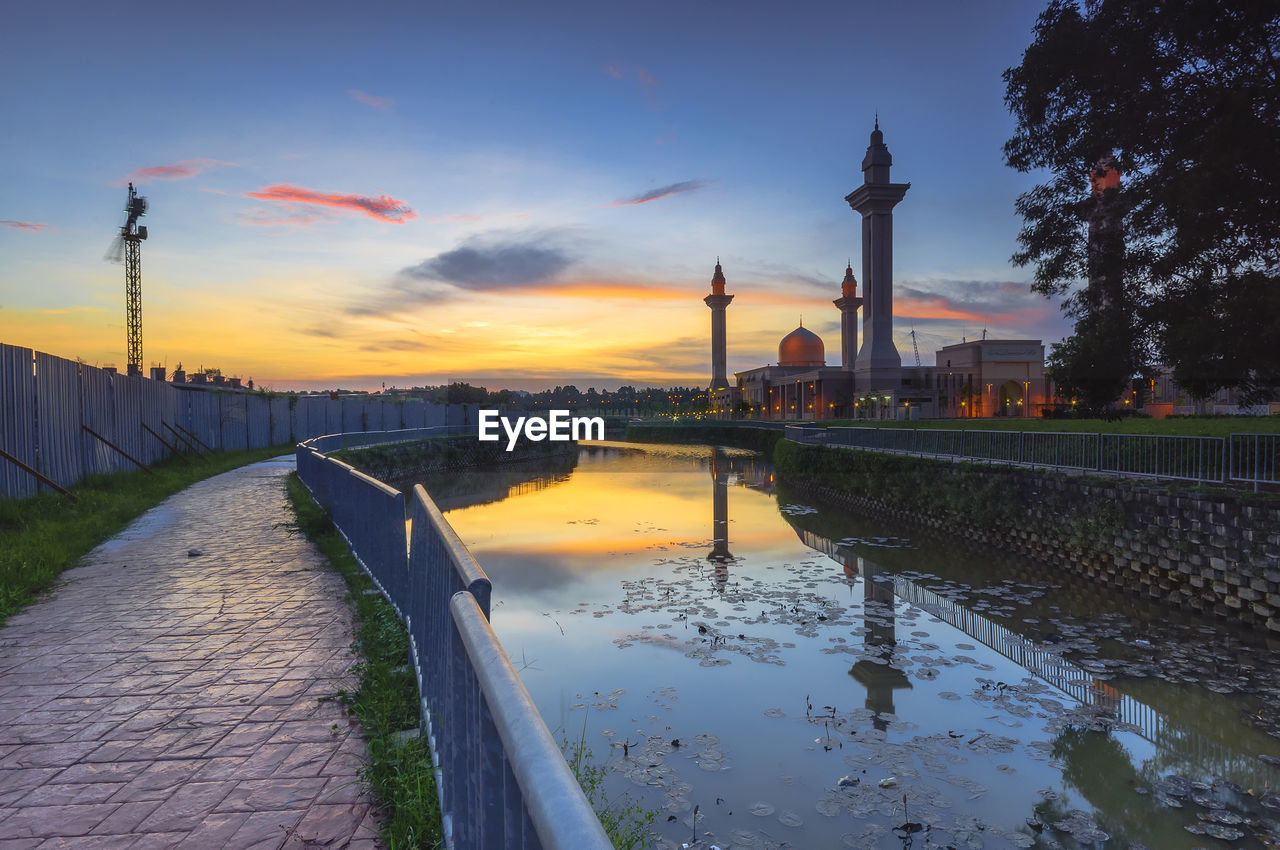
(1213, 552)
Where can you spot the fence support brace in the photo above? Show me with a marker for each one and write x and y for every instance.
(164, 443)
(190, 444)
(193, 436)
(128, 457)
(45, 481)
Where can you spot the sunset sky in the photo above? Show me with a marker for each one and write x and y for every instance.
(514, 195)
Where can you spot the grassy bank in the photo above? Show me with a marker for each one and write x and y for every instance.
(44, 535)
(386, 700)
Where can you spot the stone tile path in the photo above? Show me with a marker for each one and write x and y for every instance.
(161, 698)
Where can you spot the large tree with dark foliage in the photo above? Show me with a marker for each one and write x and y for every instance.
(1182, 98)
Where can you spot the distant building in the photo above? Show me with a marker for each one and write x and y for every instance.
(987, 377)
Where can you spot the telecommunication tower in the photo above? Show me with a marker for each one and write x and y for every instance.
(127, 247)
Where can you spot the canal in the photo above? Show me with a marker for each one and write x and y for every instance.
(801, 677)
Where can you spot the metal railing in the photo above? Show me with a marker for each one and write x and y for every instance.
(1239, 458)
(503, 782)
(1254, 458)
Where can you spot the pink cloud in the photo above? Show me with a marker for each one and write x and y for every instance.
(383, 103)
(381, 207)
(664, 192)
(24, 225)
(613, 71)
(180, 170)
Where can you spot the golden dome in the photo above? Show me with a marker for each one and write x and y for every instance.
(802, 347)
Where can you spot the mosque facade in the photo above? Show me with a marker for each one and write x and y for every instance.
(987, 377)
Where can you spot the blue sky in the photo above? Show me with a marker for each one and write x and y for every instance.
(358, 193)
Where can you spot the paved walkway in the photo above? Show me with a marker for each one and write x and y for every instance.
(176, 690)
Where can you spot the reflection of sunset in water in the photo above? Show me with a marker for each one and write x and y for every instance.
(598, 514)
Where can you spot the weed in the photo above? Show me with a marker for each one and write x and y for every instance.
(625, 821)
(399, 773)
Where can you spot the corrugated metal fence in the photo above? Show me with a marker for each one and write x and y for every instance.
(66, 420)
(503, 782)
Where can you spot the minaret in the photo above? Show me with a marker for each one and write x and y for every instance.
(848, 302)
(719, 510)
(879, 367)
(717, 301)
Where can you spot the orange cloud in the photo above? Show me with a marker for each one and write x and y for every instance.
(180, 170)
(382, 207)
(23, 225)
(383, 103)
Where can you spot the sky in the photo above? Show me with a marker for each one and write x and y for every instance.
(511, 194)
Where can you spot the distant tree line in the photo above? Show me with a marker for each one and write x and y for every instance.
(625, 400)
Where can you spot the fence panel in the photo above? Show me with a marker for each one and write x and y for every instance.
(259, 424)
(17, 427)
(391, 416)
(436, 414)
(414, 414)
(151, 397)
(352, 412)
(281, 421)
(332, 417)
(1207, 459)
(98, 412)
(513, 744)
(371, 416)
(57, 409)
(206, 418)
(233, 421)
(1190, 458)
(126, 399)
(1255, 458)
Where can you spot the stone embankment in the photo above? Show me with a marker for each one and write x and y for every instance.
(1216, 551)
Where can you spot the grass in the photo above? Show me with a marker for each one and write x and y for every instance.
(399, 772)
(1200, 426)
(43, 535)
(626, 822)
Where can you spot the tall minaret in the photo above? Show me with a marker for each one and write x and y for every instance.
(848, 302)
(879, 367)
(717, 301)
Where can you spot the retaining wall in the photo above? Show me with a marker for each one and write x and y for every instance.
(1214, 552)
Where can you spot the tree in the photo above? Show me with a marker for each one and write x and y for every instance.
(1181, 99)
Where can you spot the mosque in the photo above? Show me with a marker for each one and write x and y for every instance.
(987, 377)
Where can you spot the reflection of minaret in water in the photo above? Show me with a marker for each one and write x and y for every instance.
(720, 555)
(880, 680)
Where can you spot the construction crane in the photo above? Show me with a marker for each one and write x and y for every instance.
(126, 247)
(915, 345)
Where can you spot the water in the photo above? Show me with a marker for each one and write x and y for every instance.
(809, 678)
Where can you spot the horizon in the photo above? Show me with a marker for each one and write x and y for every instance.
(514, 200)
